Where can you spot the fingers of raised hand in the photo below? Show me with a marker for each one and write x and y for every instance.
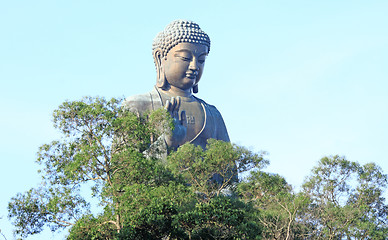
(183, 118)
(178, 103)
(168, 105)
(173, 106)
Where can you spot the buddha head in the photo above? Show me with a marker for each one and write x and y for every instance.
(179, 53)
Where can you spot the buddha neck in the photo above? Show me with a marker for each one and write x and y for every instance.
(175, 92)
(166, 95)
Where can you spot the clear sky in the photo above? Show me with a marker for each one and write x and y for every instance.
(298, 79)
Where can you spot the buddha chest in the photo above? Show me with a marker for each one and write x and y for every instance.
(195, 117)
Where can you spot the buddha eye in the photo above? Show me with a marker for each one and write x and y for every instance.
(201, 61)
(185, 58)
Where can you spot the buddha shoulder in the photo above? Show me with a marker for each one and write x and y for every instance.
(141, 103)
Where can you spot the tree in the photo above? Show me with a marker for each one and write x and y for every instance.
(141, 196)
(341, 199)
(95, 134)
(346, 200)
(277, 206)
(221, 163)
(212, 175)
(193, 194)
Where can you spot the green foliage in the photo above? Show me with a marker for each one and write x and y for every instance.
(97, 135)
(220, 218)
(346, 200)
(214, 170)
(90, 227)
(276, 204)
(55, 206)
(194, 194)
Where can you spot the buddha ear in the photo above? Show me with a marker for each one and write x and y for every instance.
(195, 88)
(160, 76)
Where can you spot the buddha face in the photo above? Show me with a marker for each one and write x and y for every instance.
(184, 64)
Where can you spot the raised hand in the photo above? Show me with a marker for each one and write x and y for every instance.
(180, 130)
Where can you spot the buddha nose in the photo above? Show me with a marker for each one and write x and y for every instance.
(194, 65)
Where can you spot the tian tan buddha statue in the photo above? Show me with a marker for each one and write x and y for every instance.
(179, 52)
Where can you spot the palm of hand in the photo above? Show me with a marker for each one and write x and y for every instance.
(180, 123)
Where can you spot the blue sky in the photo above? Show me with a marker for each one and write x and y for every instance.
(298, 79)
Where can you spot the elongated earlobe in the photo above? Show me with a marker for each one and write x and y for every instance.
(195, 88)
(161, 81)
